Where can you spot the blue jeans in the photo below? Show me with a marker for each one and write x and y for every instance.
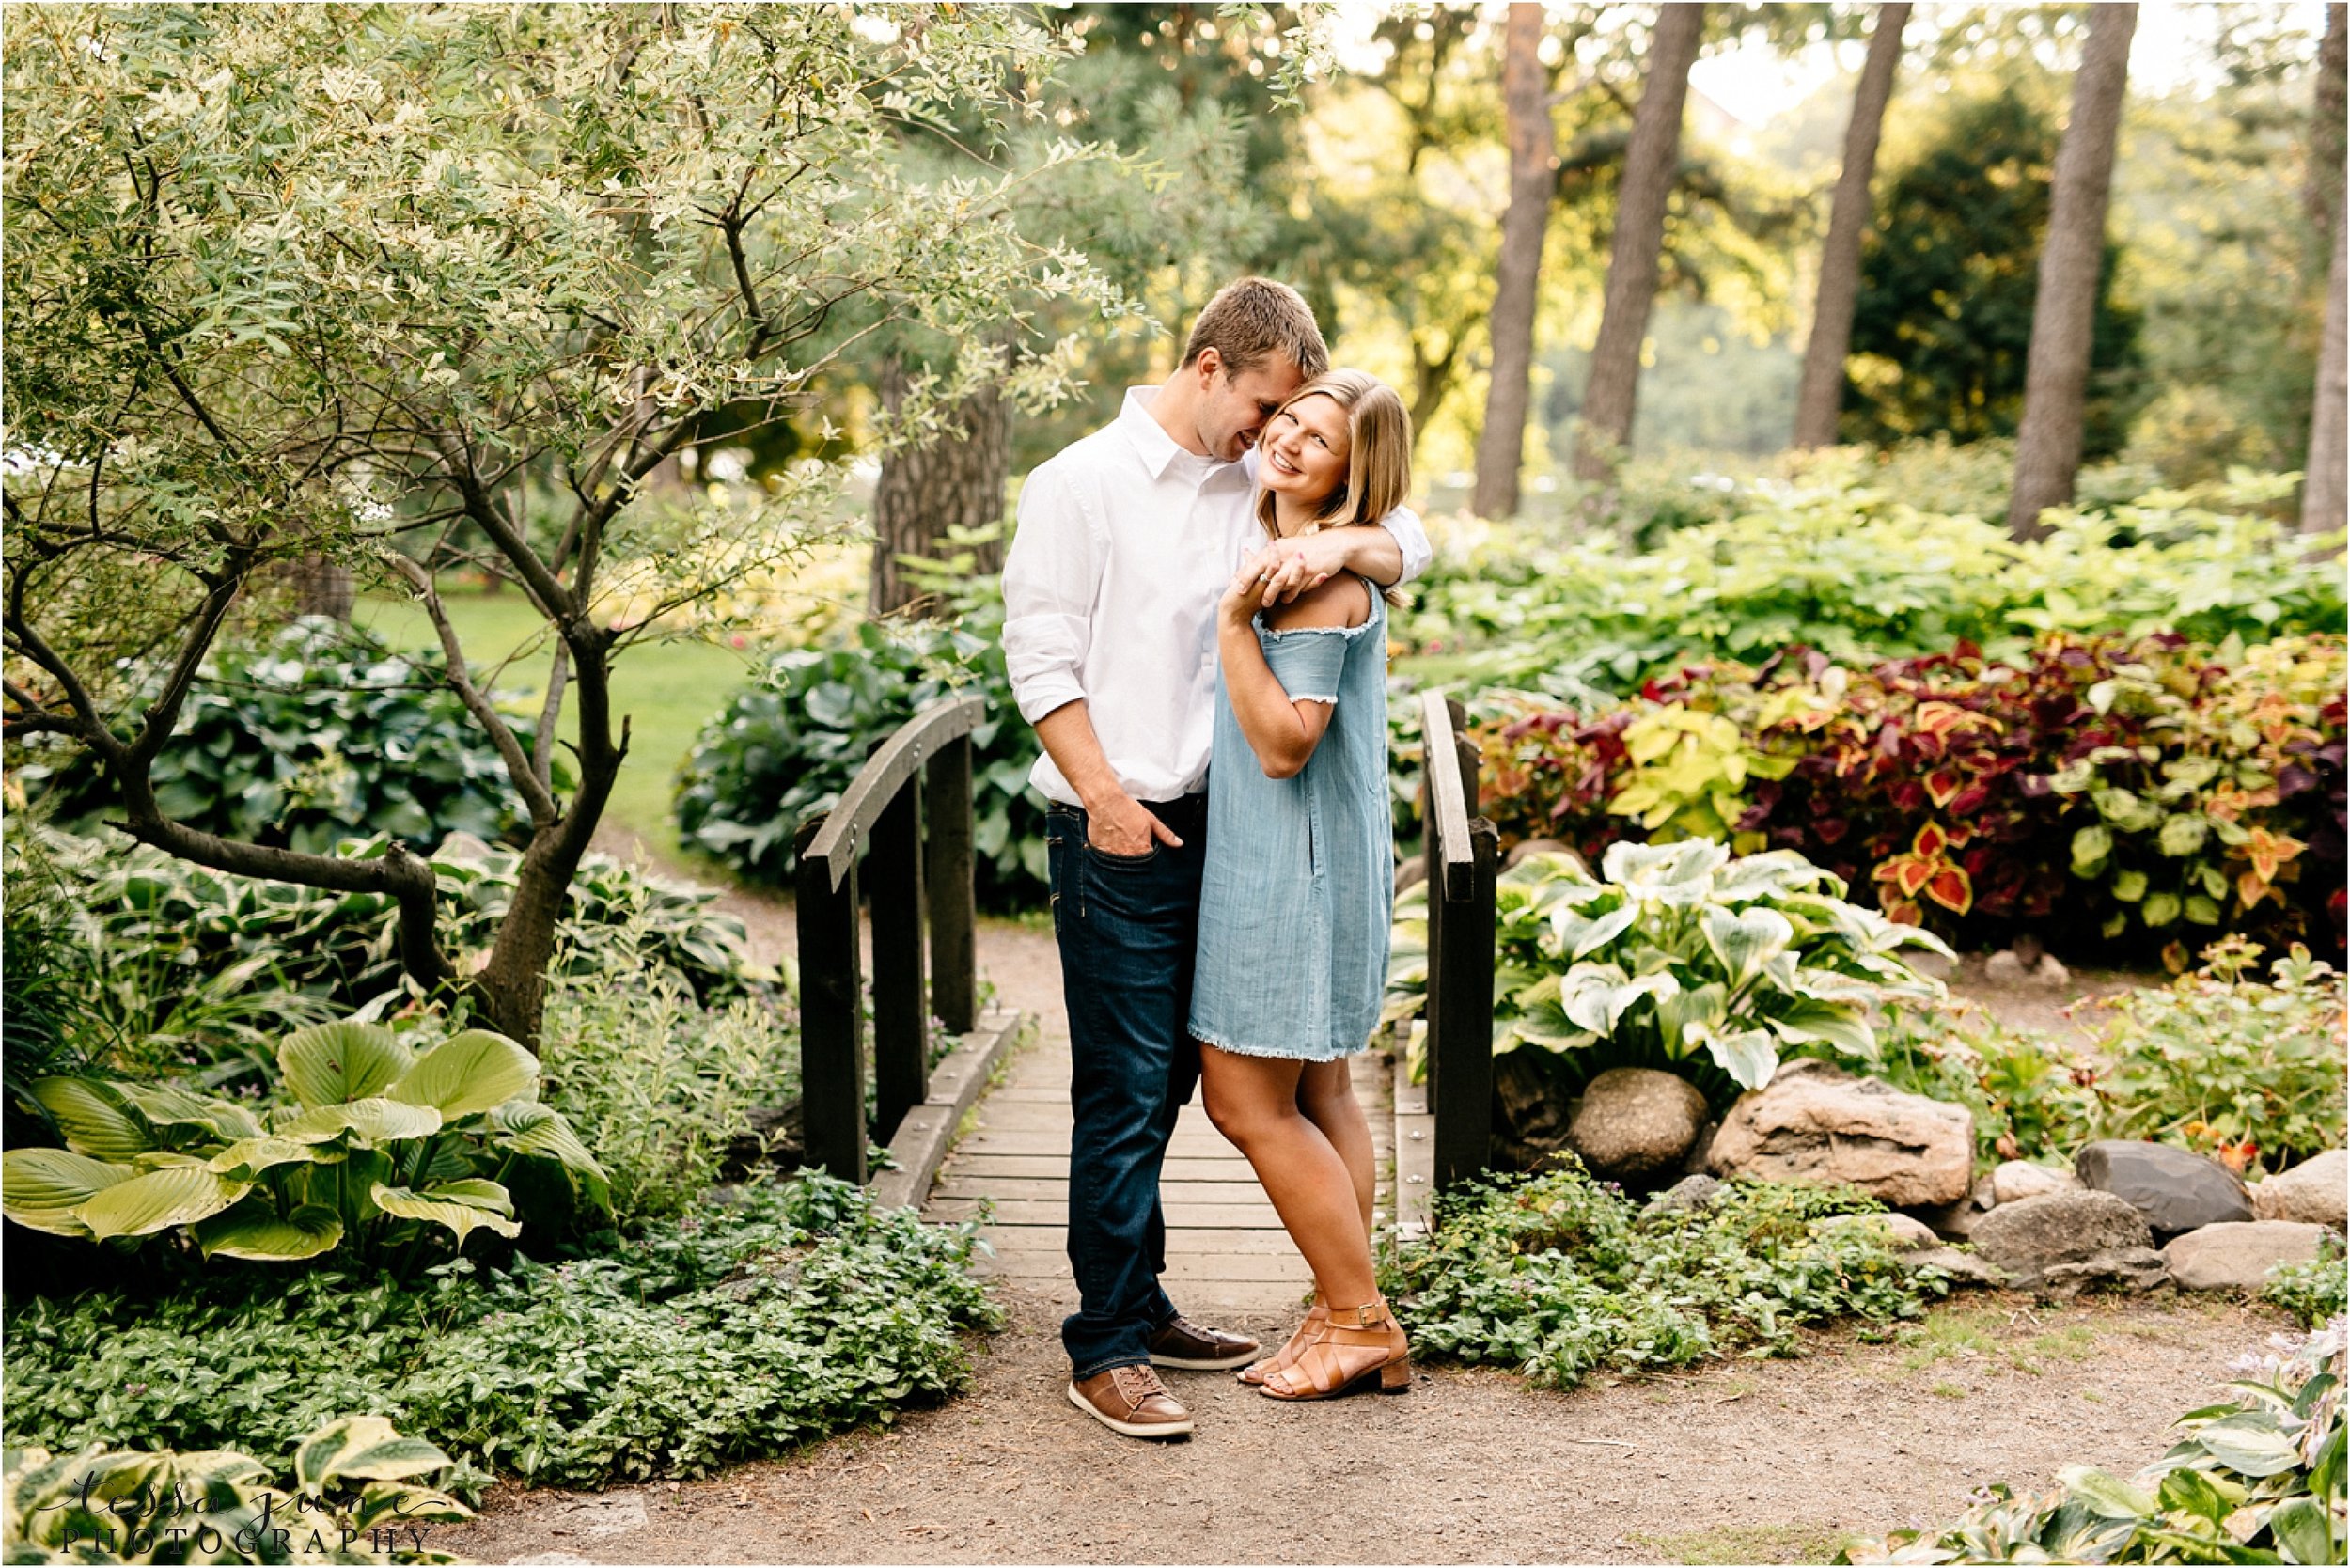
(1127, 927)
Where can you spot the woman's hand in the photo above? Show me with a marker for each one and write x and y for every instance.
(1242, 594)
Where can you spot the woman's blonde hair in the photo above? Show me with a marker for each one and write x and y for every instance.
(1378, 454)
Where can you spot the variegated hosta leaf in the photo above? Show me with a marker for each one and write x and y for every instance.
(252, 1156)
(1845, 1027)
(96, 1118)
(401, 1504)
(165, 1106)
(1744, 940)
(376, 1121)
(1771, 874)
(43, 1189)
(527, 1127)
(1678, 875)
(330, 1064)
(2107, 1495)
(362, 1448)
(468, 1074)
(1825, 985)
(1547, 1025)
(1749, 1056)
(1578, 934)
(1702, 1006)
(253, 1230)
(460, 1211)
(179, 1195)
(1584, 992)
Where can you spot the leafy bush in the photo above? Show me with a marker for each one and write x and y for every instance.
(2147, 791)
(2258, 1479)
(791, 740)
(1555, 1275)
(736, 1332)
(381, 1143)
(2315, 1292)
(1682, 959)
(319, 734)
(2030, 1098)
(355, 1479)
(1857, 570)
(2248, 1073)
(344, 947)
(658, 1084)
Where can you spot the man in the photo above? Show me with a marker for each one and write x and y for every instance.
(1126, 540)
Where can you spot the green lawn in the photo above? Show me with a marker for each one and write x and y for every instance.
(667, 689)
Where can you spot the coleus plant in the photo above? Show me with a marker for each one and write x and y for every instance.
(1680, 957)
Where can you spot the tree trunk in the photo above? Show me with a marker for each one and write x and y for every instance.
(956, 480)
(1650, 162)
(2322, 485)
(1822, 393)
(1525, 95)
(2055, 375)
(2321, 194)
(320, 587)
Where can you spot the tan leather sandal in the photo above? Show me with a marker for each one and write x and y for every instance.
(1349, 1349)
(1254, 1373)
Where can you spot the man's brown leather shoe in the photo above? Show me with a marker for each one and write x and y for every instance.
(1132, 1400)
(1186, 1346)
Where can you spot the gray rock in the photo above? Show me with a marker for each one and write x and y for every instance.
(2128, 1268)
(2021, 965)
(1815, 1122)
(1690, 1192)
(1982, 1195)
(1964, 1268)
(2004, 969)
(2238, 1256)
(1931, 965)
(1950, 1221)
(1527, 848)
(2012, 1180)
(2316, 1192)
(1902, 1232)
(2058, 1228)
(2176, 1190)
(1636, 1122)
(1699, 1147)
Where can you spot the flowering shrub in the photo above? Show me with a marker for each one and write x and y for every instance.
(2158, 791)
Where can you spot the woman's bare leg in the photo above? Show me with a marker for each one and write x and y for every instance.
(1325, 1094)
(1254, 1101)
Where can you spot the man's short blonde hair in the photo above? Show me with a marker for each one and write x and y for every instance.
(1250, 321)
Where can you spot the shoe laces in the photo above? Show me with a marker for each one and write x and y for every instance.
(1137, 1382)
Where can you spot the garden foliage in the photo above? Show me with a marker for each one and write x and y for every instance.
(319, 733)
(1862, 573)
(374, 1147)
(2154, 791)
(2258, 1477)
(739, 1330)
(1558, 1274)
(791, 740)
(357, 1486)
(1681, 959)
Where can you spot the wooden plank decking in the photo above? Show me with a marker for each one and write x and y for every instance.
(1226, 1248)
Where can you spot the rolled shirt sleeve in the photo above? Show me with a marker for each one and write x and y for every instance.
(1051, 575)
(1410, 538)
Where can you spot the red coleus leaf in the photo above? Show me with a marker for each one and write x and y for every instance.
(1942, 787)
(1911, 875)
(1969, 800)
(1929, 842)
(1949, 888)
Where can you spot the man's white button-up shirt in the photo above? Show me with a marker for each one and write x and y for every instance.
(1124, 545)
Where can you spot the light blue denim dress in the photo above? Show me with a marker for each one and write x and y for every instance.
(1298, 883)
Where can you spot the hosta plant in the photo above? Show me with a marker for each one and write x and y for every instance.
(1680, 958)
(380, 1146)
(2257, 1479)
(357, 1497)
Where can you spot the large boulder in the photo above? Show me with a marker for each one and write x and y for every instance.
(1815, 1122)
(2064, 1231)
(2315, 1192)
(1636, 1122)
(2175, 1189)
(2237, 1255)
(2012, 1180)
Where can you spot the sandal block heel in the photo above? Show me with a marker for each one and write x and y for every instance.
(1396, 1377)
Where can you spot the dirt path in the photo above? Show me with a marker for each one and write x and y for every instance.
(1757, 1462)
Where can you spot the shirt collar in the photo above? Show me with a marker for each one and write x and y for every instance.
(1157, 450)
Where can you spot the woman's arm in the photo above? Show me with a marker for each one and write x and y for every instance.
(1282, 731)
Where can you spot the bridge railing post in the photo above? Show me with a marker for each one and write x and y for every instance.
(902, 1025)
(949, 876)
(1462, 864)
(831, 1015)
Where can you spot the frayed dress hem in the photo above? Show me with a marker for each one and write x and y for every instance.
(1208, 1038)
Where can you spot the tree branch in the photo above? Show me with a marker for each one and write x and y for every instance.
(535, 793)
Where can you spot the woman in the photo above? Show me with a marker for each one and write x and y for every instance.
(1298, 880)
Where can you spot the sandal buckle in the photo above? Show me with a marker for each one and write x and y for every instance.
(1369, 1315)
